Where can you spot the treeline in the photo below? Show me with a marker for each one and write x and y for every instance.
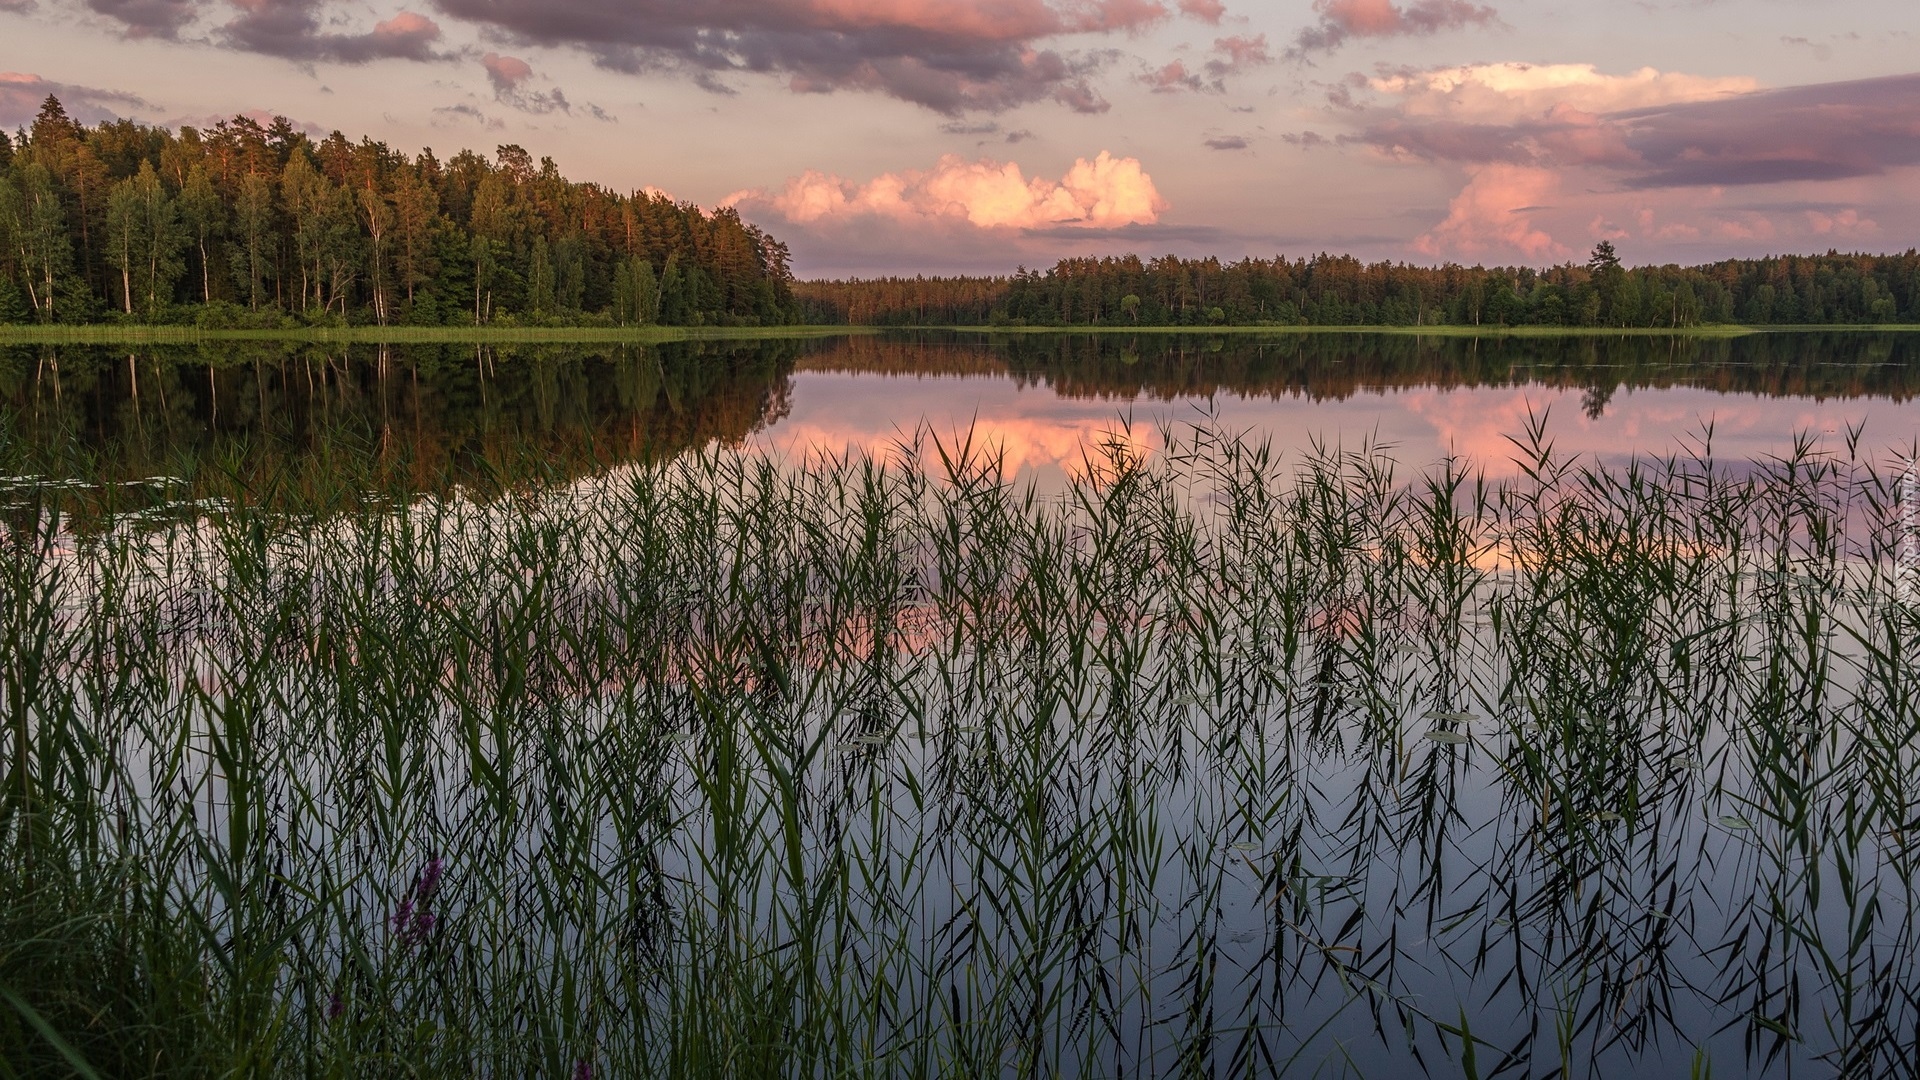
(1130, 368)
(252, 225)
(1339, 290)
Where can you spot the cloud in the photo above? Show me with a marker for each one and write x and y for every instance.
(1231, 56)
(1506, 92)
(1653, 129)
(510, 75)
(1846, 224)
(1227, 142)
(951, 56)
(291, 29)
(1825, 131)
(148, 18)
(1207, 11)
(506, 72)
(1172, 78)
(1105, 192)
(22, 93)
(466, 112)
(1490, 216)
(1344, 19)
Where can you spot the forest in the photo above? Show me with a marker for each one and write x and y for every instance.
(247, 225)
(1340, 290)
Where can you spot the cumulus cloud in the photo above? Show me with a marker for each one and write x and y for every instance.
(1102, 193)
(951, 56)
(1528, 114)
(1500, 93)
(1491, 216)
(22, 93)
(1207, 11)
(1341, 20)
(291, 29)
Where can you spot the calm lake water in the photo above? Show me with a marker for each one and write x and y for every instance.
(440, 411)
(898, 774)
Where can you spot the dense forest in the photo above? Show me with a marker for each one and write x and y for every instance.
(1338, 290)
(252, 225)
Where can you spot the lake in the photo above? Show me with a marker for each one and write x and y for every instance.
(1334, 705)
(1039, 397)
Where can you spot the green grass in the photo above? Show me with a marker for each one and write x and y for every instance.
(653, 335)
(188, 335)
(1718, 330)
(1214, 763)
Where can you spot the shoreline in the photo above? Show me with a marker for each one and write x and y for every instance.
(664, 335)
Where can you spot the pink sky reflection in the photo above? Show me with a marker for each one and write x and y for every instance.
(1043, 434)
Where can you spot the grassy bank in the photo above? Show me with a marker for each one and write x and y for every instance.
(1715, 331)
(407, 335)
(655, 335)
(1211, 764)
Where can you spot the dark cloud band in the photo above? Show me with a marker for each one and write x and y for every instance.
(951, 56)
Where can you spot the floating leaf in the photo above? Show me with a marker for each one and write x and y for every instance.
(1607, 816)
(1735, 821)
(1451, 738)
(1452, 717)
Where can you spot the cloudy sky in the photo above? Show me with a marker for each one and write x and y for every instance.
(881, 136)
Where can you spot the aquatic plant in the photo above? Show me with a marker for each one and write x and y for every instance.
(1213, 762)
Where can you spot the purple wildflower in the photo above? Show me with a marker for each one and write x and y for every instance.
(413, 921)
(430, 878)
(582, 1069)
(336, 1006)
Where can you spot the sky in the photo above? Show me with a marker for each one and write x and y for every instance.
(973, 136)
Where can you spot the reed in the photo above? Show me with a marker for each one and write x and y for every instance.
(1215, 762)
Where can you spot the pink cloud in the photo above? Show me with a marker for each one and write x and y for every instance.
(506, 72)
(1105, 192)
(21, 94)
(1207, 11)
(1171, 78)
(1344, 19)
(1847, 224)
(1506, 92)
(1491, 216)
(406, 31)
(1233, 55)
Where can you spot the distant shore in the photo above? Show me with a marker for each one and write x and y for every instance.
(661, 335)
